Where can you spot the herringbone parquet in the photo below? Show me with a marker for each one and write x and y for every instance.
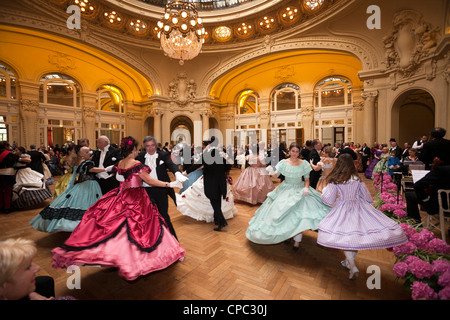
(221, 266)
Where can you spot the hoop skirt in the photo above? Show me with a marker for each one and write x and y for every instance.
(122, 229)
(66, 211)
(253, 185)
(194, 203)
(353, 223)
(286, 211)
(30, 189)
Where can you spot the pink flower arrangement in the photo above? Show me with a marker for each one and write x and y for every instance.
(422, 291)
(441, 266)
(423, 262)
(444, 294)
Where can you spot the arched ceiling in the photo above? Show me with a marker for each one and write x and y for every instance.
(303, 67)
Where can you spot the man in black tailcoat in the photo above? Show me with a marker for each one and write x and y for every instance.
(314, 157)
(215, 171)
(159, 162)
(365, 156)
(438, 147)
(106, 156)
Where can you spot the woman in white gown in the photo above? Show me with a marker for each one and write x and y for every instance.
(193, 202)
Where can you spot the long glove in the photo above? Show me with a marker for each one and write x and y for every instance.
(180, 177)
(176, 184)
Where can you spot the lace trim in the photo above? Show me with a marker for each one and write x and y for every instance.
(125, 223)
(133, 169)
(50, 213)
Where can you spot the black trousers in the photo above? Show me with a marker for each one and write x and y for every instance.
(108, 184)
(412, 205)
(160, 198)
(219, 219)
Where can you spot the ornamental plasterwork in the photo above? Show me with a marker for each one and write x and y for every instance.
(411, 41)
(89, 112)
(61, 61)
(29, 105)
(285, 72)
(182, 90)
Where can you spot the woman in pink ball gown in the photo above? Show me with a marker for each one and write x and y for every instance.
(123, 228)
(253, 184)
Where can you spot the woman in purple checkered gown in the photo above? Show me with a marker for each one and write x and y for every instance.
(353, 224)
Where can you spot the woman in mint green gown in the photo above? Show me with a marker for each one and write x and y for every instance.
(290, 209)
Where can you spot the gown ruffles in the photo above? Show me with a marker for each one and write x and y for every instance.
(122, 229)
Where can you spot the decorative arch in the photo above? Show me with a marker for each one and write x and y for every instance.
(413, 113)
(182, 126)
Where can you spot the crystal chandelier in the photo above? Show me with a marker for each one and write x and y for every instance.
(181, 31)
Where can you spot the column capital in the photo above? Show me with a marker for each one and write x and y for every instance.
(369, 95)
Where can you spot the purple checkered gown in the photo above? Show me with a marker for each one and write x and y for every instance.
(353, 223)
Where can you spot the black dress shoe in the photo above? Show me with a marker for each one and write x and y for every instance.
(220, 227)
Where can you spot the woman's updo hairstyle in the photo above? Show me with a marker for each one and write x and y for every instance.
(127, 146)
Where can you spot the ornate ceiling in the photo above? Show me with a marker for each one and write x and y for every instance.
(225, 21)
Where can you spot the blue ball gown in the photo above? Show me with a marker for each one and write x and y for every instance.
(65, 212)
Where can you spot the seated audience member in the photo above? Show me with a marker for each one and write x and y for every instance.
(425, 192)
(18, 279)
(438, 147)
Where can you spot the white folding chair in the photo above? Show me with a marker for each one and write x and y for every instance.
(444, 211)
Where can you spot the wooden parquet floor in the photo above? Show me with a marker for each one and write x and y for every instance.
(221, 266)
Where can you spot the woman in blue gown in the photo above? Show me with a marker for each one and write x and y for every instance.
(65, 212)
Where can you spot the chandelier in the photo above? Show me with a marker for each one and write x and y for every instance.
(181, 31)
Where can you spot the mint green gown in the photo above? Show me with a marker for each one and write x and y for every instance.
(287, 212)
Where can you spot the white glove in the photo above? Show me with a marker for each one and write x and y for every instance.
(102, 175)
(180, 177)
(305, 191)
(120, 177)
(175, 184)
(109, 168)
(270, 170)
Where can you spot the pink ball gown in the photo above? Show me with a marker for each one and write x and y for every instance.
(253, 184)
(122, 229)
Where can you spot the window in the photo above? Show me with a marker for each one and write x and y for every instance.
(59, 89)
(3, 129)
(333, 91)
(286, 97)
(110, 98)
(247, 103)
(7, 83)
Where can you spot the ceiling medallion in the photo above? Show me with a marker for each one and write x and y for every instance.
(181, 31)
